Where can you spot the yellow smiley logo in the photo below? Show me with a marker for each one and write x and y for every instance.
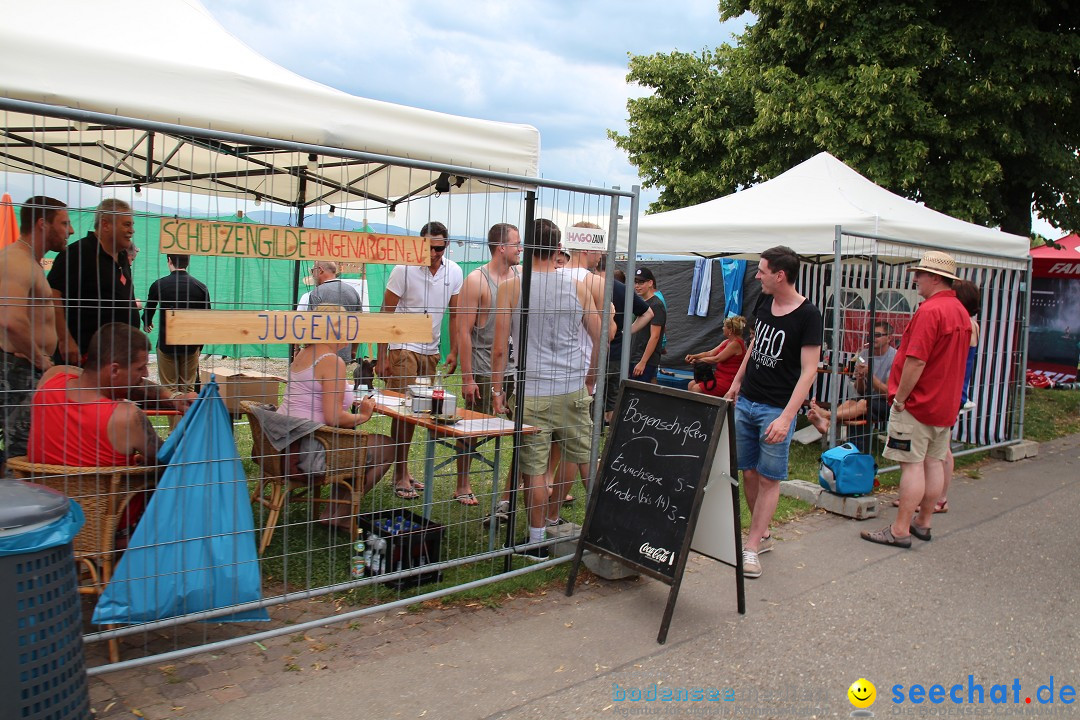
(862, 693)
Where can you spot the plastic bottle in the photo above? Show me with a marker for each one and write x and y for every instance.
(378, 555)
(372, 540)
(361, 556)
(438, 394)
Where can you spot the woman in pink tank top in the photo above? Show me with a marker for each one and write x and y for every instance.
(317, 390)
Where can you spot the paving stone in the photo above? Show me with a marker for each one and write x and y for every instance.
(245, 672)
(212, 681)
(228, 694)
(172, 691)
(161, 711)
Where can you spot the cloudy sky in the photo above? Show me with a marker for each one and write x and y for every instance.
(558, 65)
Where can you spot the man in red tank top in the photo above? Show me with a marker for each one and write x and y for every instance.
(85, 417)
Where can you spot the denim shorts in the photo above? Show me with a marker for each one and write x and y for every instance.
(770, 460)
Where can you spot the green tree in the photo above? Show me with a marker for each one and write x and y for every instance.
(965, 106)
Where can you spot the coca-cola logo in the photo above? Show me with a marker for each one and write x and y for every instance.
(656, 554)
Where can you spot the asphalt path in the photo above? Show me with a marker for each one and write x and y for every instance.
(990, 601)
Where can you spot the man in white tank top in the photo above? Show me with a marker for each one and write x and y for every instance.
(556, 374)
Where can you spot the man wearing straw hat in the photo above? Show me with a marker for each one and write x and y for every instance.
(925, 385)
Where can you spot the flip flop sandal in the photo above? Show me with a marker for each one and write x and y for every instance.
(406, 493)
(896, 502)
(417, 485)
(467, 499)
(568, 501)
(942, 506)
(885, 537)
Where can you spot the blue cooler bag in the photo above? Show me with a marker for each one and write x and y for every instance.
(846, 471)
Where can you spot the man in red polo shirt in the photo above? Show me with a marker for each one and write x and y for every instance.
(925, 385)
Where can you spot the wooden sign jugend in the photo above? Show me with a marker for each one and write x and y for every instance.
(206, 327)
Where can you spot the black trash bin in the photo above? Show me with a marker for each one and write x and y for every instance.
(41, 650)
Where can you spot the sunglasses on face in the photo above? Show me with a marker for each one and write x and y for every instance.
(437, 248)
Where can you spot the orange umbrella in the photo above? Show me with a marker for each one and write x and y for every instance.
(9, 227)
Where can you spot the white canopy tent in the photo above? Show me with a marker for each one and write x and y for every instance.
(801, 209)
(72, 68)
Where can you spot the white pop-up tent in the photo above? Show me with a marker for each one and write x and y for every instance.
(801, 209)
(74, 71)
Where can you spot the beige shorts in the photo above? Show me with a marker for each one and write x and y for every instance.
(406, 366)
(563, 419)
(910, 441)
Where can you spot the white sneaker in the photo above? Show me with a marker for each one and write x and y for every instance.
(750, 563)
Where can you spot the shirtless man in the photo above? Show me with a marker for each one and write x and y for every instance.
(27, 314)
(476, 332)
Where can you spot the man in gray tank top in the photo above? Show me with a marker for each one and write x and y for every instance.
(553, 390)
(476, 332)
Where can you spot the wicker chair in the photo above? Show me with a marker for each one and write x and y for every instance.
(104, 494)
(346, 458)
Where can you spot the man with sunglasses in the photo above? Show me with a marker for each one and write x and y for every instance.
(332, 290)
(417, 289)
(869, 391)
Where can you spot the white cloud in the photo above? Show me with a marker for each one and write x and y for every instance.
(555, 64)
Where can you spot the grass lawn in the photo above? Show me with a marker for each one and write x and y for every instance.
(306, 555)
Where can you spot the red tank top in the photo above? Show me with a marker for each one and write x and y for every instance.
(63, 432)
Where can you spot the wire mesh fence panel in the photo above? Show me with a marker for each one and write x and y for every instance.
(289, 384)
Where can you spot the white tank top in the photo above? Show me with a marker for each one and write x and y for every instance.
(554, 364)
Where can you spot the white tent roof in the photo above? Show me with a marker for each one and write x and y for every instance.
(801, 209)
(169, 61)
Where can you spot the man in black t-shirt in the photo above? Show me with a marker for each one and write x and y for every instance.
(778, 370)
(645, 344)
(92, 279)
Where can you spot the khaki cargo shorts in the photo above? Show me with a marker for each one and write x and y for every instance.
(406, 366)
(910, 441)
(564, 419)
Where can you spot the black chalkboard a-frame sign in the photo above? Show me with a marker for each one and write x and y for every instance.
(645, 502)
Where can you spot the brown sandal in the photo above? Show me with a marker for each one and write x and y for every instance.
(885, 537)
(942, 506)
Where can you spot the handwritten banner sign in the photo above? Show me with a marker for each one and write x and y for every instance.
(205, 327)
(236, 239)
(657, 461)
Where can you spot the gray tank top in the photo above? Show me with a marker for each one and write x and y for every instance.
(554, 362)
(484, 335)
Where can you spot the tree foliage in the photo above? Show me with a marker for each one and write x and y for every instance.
(969, 107)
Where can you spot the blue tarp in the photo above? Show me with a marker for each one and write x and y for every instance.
(734, 271)
(194, 548)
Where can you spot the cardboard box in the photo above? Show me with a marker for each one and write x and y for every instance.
(237, 386)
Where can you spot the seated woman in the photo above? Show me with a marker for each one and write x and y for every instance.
(317, 391)
(727, 357)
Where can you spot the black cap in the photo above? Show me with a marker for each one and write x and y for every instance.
(643, 274)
